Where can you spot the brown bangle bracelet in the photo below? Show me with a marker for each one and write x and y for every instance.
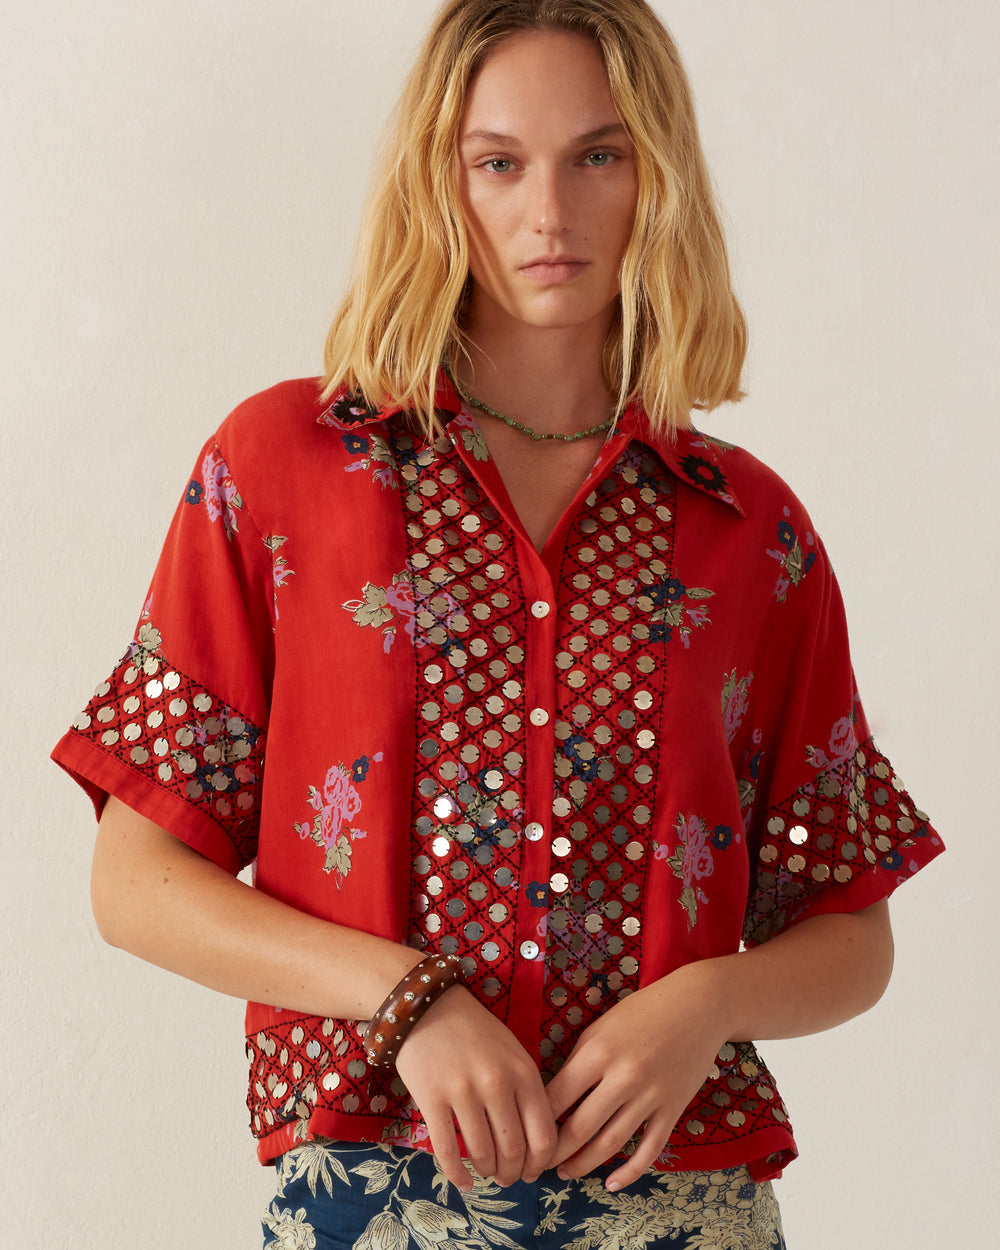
(422, 986)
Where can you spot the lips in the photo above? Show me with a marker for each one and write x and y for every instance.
(554, 269)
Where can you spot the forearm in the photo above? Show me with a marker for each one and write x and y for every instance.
(819, 973)
(159, 899)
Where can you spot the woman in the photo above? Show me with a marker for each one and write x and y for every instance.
(555, 693)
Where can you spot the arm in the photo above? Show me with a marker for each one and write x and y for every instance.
(154, 896)
(645, 1059)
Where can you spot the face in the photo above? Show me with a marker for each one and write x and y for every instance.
(547, 183)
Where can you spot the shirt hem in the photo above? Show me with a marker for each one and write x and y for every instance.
(765, 1152)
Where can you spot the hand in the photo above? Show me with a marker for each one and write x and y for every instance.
(461, 1063)
(641, 1063)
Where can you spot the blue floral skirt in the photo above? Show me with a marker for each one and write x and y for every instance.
(353, 1196)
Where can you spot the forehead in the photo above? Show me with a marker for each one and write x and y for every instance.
(537, 78)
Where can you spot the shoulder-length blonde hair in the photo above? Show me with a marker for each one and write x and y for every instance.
(679, 338)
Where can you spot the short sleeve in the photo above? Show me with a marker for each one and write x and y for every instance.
(833, 827)
(177, 731)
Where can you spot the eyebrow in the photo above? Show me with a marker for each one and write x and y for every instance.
(510, 141)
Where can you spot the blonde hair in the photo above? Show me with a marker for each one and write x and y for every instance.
(679, 338)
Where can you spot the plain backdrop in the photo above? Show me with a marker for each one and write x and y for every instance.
(180, 188)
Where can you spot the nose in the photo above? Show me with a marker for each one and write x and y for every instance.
(552, 201)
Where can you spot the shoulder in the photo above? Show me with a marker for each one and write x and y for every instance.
(285, 411)
(272, 436)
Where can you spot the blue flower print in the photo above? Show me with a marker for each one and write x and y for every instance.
(359, 769)
(670, 591)
(537, 893)
(892, 861)
(792, 556)
(356, 444)
(585, 765)
(722, 835)
(194, 492)
(672, 605)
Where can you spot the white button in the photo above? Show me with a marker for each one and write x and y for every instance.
(539, 716)
(529, 950)
(533, 831)
(540, 609)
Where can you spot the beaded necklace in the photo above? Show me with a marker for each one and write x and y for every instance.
(600, 428)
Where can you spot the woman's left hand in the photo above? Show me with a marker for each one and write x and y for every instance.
(639, 1064)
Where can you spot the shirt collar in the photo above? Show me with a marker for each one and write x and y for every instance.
(695, 458)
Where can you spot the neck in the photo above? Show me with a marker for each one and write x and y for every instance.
(549, 379)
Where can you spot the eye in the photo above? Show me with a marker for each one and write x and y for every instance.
(598, 160)
(497, 165)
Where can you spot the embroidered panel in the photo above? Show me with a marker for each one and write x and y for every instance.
(183, 738)
(610, 670)
(469, 644)
(857, 814)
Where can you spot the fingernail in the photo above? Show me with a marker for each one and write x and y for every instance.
(613, 1186)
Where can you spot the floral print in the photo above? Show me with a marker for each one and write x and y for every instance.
(373, 454)
(279, 565)
(221, 498)
(842, 744)
(672, 605)
(691, 862)
(735, 698)
(290, 1232)
(794, 560)
(385, 607)
(336, 806)
(401, 1200)
(471, 436)
(349, 408)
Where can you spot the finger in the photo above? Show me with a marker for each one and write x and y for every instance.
(477, 1134)
(444, 1143)
(648, 1150)
(568, 1086)
(541, 1134)
(508, 1142)
(605, 1143)
(584, 1124)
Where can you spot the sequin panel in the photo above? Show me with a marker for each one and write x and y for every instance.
(469, 644)
(738, 1097)
(610, 672)
(181, 737)
(306, 1062)
(855, 818)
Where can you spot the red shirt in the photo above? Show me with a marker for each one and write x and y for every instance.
(578, 769)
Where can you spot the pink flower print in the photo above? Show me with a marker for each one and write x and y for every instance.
(842, 745)
(691, 862)
(399, 596)
(221, 498)
(341, 803)
(843, 741)
(698, 862)
(336, 806)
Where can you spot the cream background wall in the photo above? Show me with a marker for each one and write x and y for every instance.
(180, 187)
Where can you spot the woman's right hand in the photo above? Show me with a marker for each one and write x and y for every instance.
(460, 1063)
